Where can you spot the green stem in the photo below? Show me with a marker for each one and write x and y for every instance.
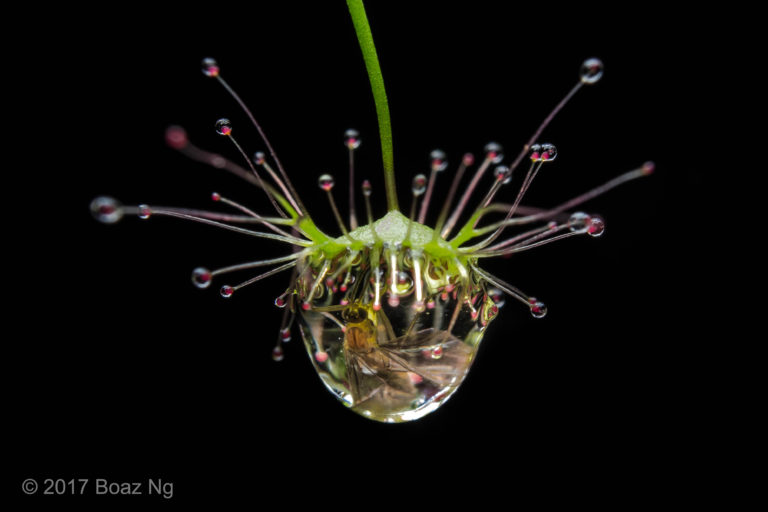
(365, 38)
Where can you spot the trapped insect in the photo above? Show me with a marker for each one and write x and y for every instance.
(391, 311)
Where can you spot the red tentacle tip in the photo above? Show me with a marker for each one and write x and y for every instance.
(648, 168)
(176, 137)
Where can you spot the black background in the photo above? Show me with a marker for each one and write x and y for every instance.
(120, 369)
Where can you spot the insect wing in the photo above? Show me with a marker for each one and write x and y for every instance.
(401, 368)
(434, 356)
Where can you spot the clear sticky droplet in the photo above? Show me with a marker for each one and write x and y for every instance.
(503, 174)
(226, 291)
(107, 210)
(176, 137)
(259, 158)
(596, 226)
(280, 302)
(325, 182)
(144, 212)
(535, 152)
(419, 184)
(210, 67)
(404, 282)
(285, 335)
(223, 126)
(579, 221)
(494, 152)
(591, 70)
(497, 296)
(548, 152)
(436, 353)
(538, 308)
(201, 277)
(321, 356)
(367, 189)
(393, 300)
(277, 354)
(352, 139)
(468, 159)
(439, 163)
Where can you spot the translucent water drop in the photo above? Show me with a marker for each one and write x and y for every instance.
(497, 296)
(503, 174)
(548, 152)
(578, 221)
(352, 139)
(535, 152)
(494, 151)
(259, 158)
(468, 159)
(404, 283)
(419, 184)
(439, 163)
(106, 210)
(596, 226)
(321, 356)
(210, 67)
(176, 137)
(285, 335)
(489, 312)
(538, 308)
(144, 211)
(325, 182)
(201, 277)
(367, 189)
(223, 126)
(277, 354)
(591, 71)
(226, 291)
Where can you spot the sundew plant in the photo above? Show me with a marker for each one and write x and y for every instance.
(391, 310)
